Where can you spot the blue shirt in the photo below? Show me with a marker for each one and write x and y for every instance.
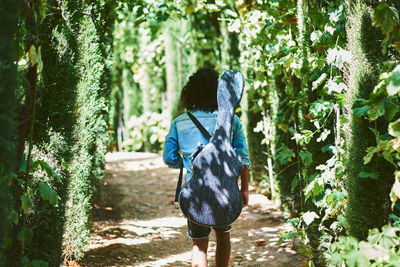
(185, 137)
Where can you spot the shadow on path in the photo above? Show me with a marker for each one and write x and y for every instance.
(136, 224)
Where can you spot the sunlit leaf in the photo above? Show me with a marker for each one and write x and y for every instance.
(394, 128)
(309, 217)
(388, 238)
(370, 153)
(319, 81)
(26, 203)
(48, 193)
(295, 182)
(395, 191)
(393, 86)
(386, 16)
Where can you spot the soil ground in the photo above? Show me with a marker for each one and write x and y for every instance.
(136, 224)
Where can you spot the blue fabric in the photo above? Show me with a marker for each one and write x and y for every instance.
(199, 231)
(185, 137)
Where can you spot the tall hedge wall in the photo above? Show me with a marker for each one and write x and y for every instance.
(365, 208)
(9, 11)
(55, 121)
(90, 134)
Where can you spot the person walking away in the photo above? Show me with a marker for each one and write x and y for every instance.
(199, 96)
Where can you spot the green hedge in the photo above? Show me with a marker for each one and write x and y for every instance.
(53, 136)
(9, 12)
(365, 209)
(90, 134)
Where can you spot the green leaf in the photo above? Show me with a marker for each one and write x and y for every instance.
(38, 263)
(375, 131)
(386, 16)
(306, 251)
(285, 154)
(306, 157)
(309, 217)
(336, 260)
(394, 128)
(319, 81)
(26, 203)
(367, 250)
(25, 235)
(286, 235)
(360, 112)
(394, 217)
(388, 238)
(373, 236)
(317, 17)
(370, 153)
(395, 191)
(48, 193)
(390, 109)
(288, 61)
(295, 182)
(393, 87)
(372, 175)
(35, 57)
(14, 216)
(42, 10)
(356, 259)
(22, 167)
(307, 136)
(394, 259)
(48, 169)
(386, 146)
(342, 220)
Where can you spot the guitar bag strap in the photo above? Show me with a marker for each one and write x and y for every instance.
(207, 135)
(203, 130)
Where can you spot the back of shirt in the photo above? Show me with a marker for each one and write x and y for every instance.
(184, 136)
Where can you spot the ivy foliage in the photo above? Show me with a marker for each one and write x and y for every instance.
(57, 152)
(8, 77)
(305, 61)
(322, 112)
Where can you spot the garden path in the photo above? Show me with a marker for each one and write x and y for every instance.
(136, 224)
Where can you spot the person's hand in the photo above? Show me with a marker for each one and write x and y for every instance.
(245, 197)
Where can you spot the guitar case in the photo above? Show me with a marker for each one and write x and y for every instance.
(211, 196)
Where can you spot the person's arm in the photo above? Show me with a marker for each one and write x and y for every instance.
(171, 154)
(240, 145)
(244, 185)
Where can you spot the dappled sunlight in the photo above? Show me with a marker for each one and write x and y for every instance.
(136, 232)
(174, 222)
(120, 240)
(134, 161)
(136, 223)
(182, 258)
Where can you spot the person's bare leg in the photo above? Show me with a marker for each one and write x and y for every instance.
(199, 252)
(223, 249)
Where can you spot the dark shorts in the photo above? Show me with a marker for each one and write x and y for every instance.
(198, 231)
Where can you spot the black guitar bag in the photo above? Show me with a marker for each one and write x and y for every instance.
(212, 197)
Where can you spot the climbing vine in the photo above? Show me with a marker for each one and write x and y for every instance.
(322, 112)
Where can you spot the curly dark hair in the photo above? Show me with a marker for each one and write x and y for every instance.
(201, 91)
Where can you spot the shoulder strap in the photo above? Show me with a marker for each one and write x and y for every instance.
(178, 187)
(205, 133)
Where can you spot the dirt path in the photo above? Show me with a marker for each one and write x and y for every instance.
(135, 224)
